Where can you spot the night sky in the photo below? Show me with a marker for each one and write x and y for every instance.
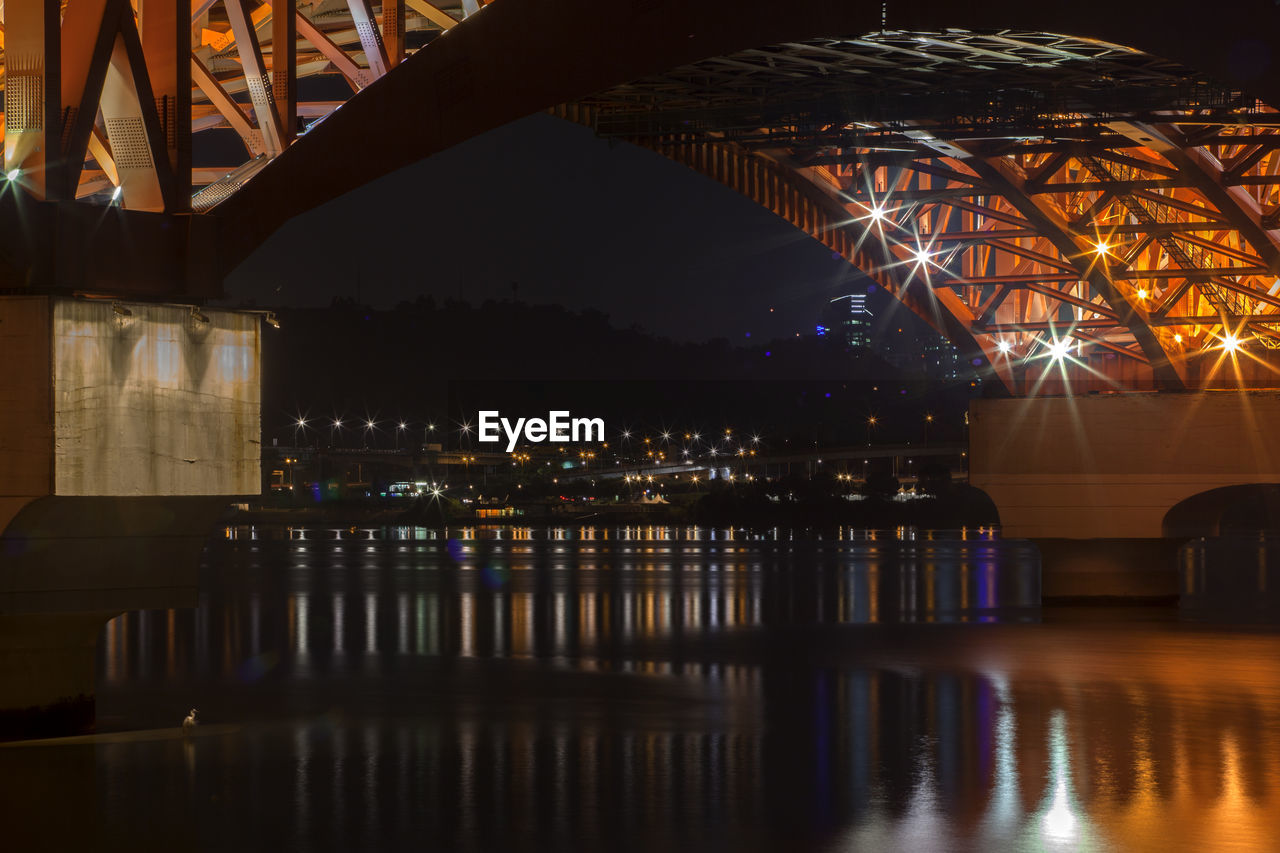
(545, 211)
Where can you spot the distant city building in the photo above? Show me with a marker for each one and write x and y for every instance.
(900, 346)
(941, 358)
(926, 351)
(908, 345)
(848, 318)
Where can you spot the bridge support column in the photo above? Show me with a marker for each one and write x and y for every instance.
(128, 429)
(1092, 479)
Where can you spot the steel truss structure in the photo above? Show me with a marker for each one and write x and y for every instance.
(1067, 210)
(1072, 211)
(102, 96)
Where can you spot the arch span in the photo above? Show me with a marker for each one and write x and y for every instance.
(1248, 507)
(516, 58)
(1120, 248)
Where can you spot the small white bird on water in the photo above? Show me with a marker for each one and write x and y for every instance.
(189, 723)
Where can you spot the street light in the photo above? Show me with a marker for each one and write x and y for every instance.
(871, 422)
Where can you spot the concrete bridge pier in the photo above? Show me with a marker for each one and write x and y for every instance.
(1110, 486)
(47, 663)
(128, 429)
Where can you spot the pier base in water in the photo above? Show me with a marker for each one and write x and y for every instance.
(1100, 569)
(47, 663)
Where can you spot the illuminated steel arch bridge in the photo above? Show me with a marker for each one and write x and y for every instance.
(1073, 212)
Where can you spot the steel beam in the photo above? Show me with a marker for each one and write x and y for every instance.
(255, 73)
(1053, 225)
(284, 66)
(32, 86)
(165, 31)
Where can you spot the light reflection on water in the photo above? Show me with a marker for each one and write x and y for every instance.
(660, 689)
(353, 597)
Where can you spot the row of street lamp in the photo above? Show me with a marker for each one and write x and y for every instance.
(370, 427)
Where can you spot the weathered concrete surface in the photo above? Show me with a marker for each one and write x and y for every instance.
(1112, 466)
(156, 403)
(152, 402)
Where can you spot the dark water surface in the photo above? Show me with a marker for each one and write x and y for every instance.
(655, 689)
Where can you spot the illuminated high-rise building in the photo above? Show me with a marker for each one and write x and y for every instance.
(848, 318)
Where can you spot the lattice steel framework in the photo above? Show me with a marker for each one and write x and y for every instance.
(97, 90)
(1075, 211)
(1065, 208)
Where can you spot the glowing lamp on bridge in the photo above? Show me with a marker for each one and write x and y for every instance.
(1060, 349)
(1230, 343)
(1004, 346)
(1101, 248)
(13, 174)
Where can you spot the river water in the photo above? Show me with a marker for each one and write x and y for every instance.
(655, 689)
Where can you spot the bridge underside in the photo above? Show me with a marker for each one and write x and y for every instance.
(1081, 212)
